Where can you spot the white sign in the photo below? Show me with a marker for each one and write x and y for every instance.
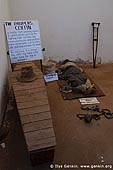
(24, 41)
(51, 77)
(89, 100)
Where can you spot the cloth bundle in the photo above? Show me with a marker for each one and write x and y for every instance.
(75, 78)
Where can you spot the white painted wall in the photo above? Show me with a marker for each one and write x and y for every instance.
(65, 25)
(4, 15)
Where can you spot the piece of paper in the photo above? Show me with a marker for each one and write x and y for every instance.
(51, 77)
(89, 100)
(24, 41)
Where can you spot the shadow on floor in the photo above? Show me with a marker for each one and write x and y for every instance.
(13, 154)
(45, 166)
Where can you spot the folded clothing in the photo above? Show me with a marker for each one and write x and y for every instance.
(73, 75)
(75, 78)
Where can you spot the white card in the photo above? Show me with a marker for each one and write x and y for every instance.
(89, 100)
(51, 77)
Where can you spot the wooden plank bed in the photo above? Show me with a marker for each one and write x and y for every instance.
(34, 111)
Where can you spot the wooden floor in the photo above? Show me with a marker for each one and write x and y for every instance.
(33, 107)
(80, 143)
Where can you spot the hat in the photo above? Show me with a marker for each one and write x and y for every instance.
(27, 75)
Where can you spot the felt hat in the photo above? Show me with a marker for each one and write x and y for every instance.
(27, 75)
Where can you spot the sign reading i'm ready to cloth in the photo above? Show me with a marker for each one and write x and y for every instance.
(24, 41)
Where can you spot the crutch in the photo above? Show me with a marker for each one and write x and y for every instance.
(95, 41)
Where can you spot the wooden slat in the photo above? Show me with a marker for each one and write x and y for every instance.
(34, 68)
(20, 65)
(34, 110)
(33, 137)
(15, 73)
(32, 104)
(37, 125)
(30, 92)
(34, 97)
(23, 86)
(23, 63)
(35, 117)
(50, 142)
(15, 80)
(36, 71)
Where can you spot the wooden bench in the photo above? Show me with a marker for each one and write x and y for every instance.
(35, 115)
